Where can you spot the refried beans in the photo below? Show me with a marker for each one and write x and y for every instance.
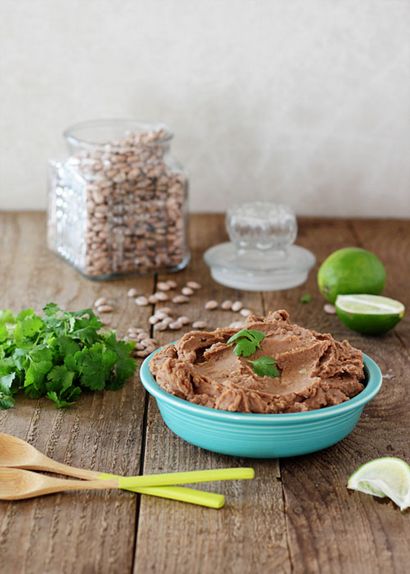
(316, 371)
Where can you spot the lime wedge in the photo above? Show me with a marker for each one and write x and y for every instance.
(369, 314)
(383, 477)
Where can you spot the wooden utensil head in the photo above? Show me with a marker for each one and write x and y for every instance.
(16, 452)
(17, 484)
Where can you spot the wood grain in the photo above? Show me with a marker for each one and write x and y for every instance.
(194, 540)
(295, 517)
(75, 532)
(330, 528)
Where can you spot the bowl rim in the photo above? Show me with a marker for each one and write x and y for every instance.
(374, 381)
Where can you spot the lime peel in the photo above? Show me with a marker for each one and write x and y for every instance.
(369, 314)
(384, 477)
(351, 270)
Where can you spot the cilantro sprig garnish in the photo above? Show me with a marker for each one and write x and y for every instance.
(59, 355)
(265, 367)
(248, 341)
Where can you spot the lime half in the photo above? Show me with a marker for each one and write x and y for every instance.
(369, 314)
(383, 477)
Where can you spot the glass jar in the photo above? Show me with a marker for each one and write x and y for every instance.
(118, 203)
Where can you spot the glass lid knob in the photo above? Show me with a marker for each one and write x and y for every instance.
(261, 225)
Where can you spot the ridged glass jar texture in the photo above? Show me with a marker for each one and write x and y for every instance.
(118, 203)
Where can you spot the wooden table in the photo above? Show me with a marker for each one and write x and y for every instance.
(297, 516)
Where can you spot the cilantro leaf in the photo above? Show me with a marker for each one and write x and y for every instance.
(58, 355)
(6, 381)
(6, 398)
(124, 365)
(6, 392)
(34, 381)
(51, 309)
(4, 332)
(6, 316)
(60, 379)
(27, 326)
(251, 334)
(306, 298)
(247, 342)
(265, 367)
(245, 348)
(95, 364)
(63, 403)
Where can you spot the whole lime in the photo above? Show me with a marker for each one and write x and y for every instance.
(351, 270)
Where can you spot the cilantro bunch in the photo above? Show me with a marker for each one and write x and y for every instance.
(59, 355)
(247, 342)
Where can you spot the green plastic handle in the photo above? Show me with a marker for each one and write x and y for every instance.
(190, 477)
(184, 494)
(180, 493)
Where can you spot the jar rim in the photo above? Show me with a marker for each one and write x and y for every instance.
(94, 133)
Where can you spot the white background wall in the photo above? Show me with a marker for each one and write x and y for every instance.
(302, 101)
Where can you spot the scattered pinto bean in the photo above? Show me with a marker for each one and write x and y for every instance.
(104, 309)
(148, 341)
(245, 312)
(211, 305)
(187, 291)
(160, 315)
(139, 346)
(193, 285)
(329, 309)
(163, 286)
(132, 336)
(150, 349)
(100, 301)
(237, 306)
(161, 296)
(142, 354)
(141, 301)
(135, 330)
(165, 310)
(179, 299)
(132, 292)
(199, 325)
(226, 305)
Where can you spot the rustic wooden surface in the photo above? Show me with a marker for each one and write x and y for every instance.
(297, 516)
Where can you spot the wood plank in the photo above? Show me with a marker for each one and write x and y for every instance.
(76, 532)
(325, 529)
(391, 241)
(249, 534)
(330, 528)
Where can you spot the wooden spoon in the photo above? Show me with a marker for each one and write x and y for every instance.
(17, 453)
(16, 484)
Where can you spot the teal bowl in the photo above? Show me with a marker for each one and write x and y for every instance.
(257, 435)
